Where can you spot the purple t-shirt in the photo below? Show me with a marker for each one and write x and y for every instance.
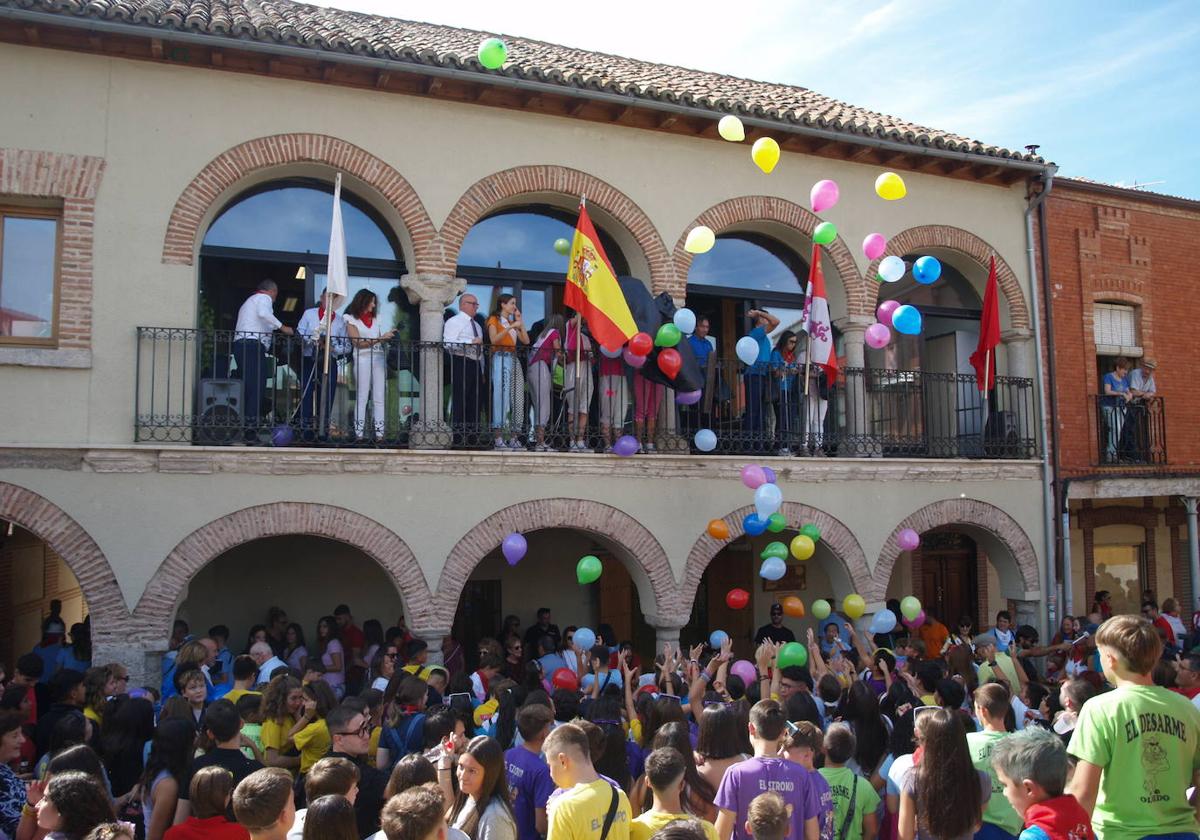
(747, 779)
(529, 778)
(824, 804)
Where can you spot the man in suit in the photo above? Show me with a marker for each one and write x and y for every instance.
(463, 339)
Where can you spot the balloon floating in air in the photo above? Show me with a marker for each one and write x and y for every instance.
(765, 153)
(700, 240)
(874, 245)
(927, 270)
(823, 195)
(889, 186)
(825, 233)
(907, 320)
(891, 269)
(685, 320)
(514, 548)
(706, 440)
(562, 246)
(588, 570)
(730, 128)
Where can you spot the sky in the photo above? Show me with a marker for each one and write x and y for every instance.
(1108, 90)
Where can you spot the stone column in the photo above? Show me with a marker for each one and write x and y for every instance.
(854, 394)
(432, 293)
(143, 659)
(1029, 612)
(1190, 505)
(432, 637)
(1019, 346)
(1025, 406)
(666, 630)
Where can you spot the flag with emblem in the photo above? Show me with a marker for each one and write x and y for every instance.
(593, 290)
(815, 322)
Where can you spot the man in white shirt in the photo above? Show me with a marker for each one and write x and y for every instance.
(266, 661)
(1141, 381)
(463, 340)
(256, 323)
(312, 364)
(1142, 389)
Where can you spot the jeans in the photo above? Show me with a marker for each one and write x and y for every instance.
(1114, 419)
(754, 420)
(503, 385)
(312, 374)
(251, 357)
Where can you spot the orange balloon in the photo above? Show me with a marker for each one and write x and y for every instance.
(793, 606)
(718, 530)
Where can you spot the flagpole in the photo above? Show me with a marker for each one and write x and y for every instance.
(328, 319)
(573, 422)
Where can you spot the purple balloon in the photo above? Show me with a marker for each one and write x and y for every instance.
(688, 397)
(908, 539)
(878, 335)
(633, 359)
(626, 445)
(514, 548)
(282, 436)
(885, 310)
(770, 475)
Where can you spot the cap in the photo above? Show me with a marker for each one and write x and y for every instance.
(1149, 363)
(984, 639)
(777, 609)
(55, 627)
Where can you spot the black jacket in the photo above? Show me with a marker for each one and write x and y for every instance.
(368, 804)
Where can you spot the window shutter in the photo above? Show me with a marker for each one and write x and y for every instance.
(1115, 325)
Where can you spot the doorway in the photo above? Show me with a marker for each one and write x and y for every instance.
(949, 576)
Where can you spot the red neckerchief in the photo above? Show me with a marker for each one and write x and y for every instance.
(483, 680)
(917, 754)
(368, 318)
(788, 356)
(321, 312)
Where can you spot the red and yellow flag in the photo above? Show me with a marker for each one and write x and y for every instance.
(593, 290)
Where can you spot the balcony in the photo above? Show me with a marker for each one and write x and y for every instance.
(190, 389)
(1130, 433)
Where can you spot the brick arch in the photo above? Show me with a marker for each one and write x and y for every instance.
(224, 171)
(769, 208)
(67, 538)
(642, 550)
(966, 243)
(834, 534)
(487, 192)
(970, 512)
(156, 608)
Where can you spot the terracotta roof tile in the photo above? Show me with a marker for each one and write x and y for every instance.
(335, 30)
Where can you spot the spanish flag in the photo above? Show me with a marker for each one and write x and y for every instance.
(592, 288)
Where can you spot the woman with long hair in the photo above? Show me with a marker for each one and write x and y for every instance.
(98, 684)
(281, 703)
(545, 353)
(328, 649)
(612, 761)
(784, 368)
(295, 649)
(372, 632)
(330, 817)
(404, 719)
(309, 733)
(722, 742)
(860, 709)
(73, 804)
(942, 797)
(258, 633)
(697, 793)
(412, 770)
(12, 789)
(127, 727)
(370, 359)
(482, 808)
(209, 793)
(165, 774)
(505, 331)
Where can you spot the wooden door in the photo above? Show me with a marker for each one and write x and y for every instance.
(616, 599)
(478, 615)
(949, 587)
(730, 570)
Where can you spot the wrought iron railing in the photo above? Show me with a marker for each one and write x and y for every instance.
(210, 387)
(1130, 432)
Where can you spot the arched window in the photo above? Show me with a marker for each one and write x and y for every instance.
(950, 308)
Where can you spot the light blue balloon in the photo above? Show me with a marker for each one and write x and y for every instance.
(706, 440)
(883, 622)
(927, 270)
(685, 319)
(772, 569)
(747, 350)
(767, 499)
(585, 638)
(907, 320)
(717, 638)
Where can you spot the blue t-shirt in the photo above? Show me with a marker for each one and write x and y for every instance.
(788, 369)
(761, 366)
(701, 349)
(529, 779)
(1121, 386)
(68, 660)
(49, 656)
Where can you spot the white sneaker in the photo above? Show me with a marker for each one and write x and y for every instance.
(650, 449)
(500, 445)
(515, 444)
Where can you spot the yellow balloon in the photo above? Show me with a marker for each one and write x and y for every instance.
(730, 128)
(854, 606)
(765, 153)
(802, 547)
(700, 239)
(890, 186)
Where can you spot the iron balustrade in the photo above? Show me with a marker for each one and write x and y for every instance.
(194, 387)
(1130, 432)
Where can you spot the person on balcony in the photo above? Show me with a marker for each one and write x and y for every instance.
(1142, 390)
(256, 322)
(505, 331)
(756, 378)
(543, 356)
(370, 359)
(785, 390)
(577, 384)
(693, 417)
(312, 364)
(1113, 403)
(463, 338)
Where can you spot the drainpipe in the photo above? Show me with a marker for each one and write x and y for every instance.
(1048, 508)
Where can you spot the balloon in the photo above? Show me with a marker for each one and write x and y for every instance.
(773, 569)
(588, 569)
(730, 128)
(908, 539)
(700, 240)
(854, 606)
(282, 435)
(811, 531)
(585, 639)
(767, 499)
(745, 670)
(669, 360)
(668, 336)
(927, 270)
(718, 530)
(737, 599)
(612, 354)
(906, 319)
(914, 623)
(753, 526)
(910, 607)
(626, 445)
(706, 440)
(632, 359)
(776, 522)
(562, 246)
(891, 269)
(753, 476)
(765, 153)
(774, 549)
(688, 397)
(878, 336)
(883, 622)
(641, 344)
(802, 547)
(685, 320)
(821, 609)
(793, 653)
(793, 606)
(717, 638)
(769, 475)
(874, 245)
(889, 186)
(747, 350)
(514, 548)
(825, 233)
(823, 195)
(885, 310)
(565, 677)
(493, 53)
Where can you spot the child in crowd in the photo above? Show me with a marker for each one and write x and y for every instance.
(245, 672)
(768, 817)
(249, 708)
(588, 800)
(209, 793)
(416, 814)
(332, 775)
(1000, 821)
(855, 800)
(192, 686)
(528, 774)
(805, 742)
(264, 805)
(1032, 767)
(309, 732)
(281, 703)
(665, 770)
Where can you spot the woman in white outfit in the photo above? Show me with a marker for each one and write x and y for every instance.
(370, 359)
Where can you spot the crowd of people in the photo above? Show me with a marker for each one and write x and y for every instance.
(935, 735)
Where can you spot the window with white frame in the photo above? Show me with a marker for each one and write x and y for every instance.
(1115, 326)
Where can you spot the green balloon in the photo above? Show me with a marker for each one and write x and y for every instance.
(793, 653)
(493, 53)
(588, 569)
(562, 246)
(811, 531)
(775, 549)
(821, 609)
(668, 336)
(776, 522)
(910, 607)
(825, 233)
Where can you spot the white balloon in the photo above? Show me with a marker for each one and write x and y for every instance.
(700, 240)
(767, 499)
(891, 269)
(747, 350)
(685, 320)
(772, 569)
(706, 440)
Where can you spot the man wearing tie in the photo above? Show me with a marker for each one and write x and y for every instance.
(251, 341)
(463, 340)
(312, 365)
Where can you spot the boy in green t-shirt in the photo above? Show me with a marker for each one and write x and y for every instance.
(992, 702)
(1138, 746)
(854, 799)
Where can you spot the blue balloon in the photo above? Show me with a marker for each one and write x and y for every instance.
(927, 270)
(883, 622)
(585, 638)
(753, 526)
(282, 435)
(706, 440)
(717, 638)
(772, 569)
(907, 320)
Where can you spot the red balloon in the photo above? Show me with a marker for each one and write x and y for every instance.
(565, 678)
(641, 344)
(737, 599)
(669, 362)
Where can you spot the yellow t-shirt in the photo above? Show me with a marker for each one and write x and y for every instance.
(235, 694)
(1007, 667)
(373, 749)
(92, 715)
(313, 742)
(650, 822)
(635, 731)
(578, 814)
(275, 733)
(419, 671)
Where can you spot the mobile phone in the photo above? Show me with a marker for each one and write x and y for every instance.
(450, 697)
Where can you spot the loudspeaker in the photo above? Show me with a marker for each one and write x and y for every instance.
(219, 411)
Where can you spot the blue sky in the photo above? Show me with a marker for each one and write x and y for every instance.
(1109, 90)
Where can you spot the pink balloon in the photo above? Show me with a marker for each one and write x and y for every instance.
(908, 539)
(916, 622)
(745, 669)
(824, 195)
(885, 311)
(878, 336)
(874, 246)
(753, 476)
(633, 359)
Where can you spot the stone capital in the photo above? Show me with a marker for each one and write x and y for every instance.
(1016, 336)
(430, 290)
(853, 323)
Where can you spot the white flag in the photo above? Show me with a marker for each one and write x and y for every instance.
(338, 273)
